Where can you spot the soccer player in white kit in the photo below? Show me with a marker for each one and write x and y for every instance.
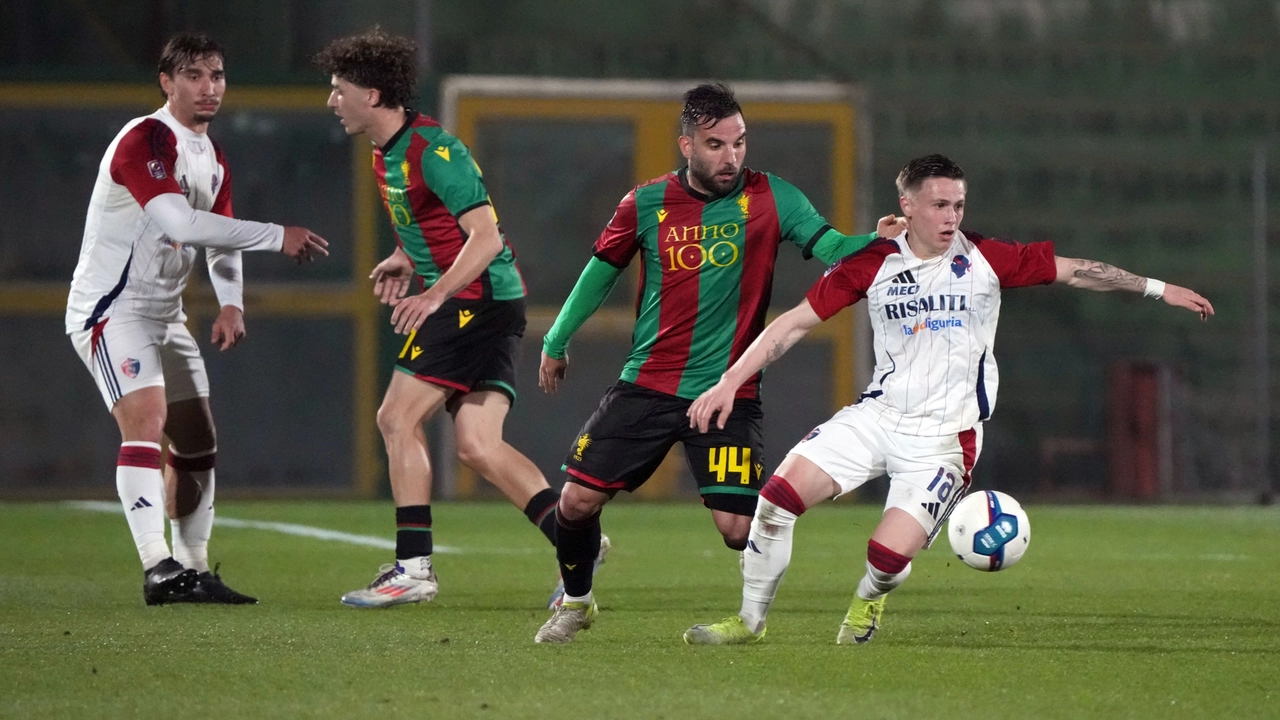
(933, 294)
(163, 190)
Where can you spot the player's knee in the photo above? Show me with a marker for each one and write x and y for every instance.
(474, 452)
(146, 427)
(392, 422)
(736, 541)
(575, 506)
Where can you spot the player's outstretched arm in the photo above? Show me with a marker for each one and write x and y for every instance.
(184, 224)
(775, 341)
(392, 276)
(589, 293)
(1101, 277)
(483, 244)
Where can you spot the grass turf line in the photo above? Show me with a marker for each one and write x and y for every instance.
(1114, 612)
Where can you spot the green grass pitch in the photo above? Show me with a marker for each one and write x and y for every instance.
(1162, 612)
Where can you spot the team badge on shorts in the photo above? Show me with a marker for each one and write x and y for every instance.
(130, 367)
(583, 442)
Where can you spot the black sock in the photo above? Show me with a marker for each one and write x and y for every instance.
(577, 545)
(541, 511)
(413, 531)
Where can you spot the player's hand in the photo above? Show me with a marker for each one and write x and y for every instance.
(302, 244)
(391, 277)
(890, 226)
(410, 313)
(551, 371)
(716, 401)
(228, 329)
(1178, 296)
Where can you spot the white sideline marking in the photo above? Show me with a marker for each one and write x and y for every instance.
(286, 528)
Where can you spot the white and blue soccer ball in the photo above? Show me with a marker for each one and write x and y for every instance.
(989, 530)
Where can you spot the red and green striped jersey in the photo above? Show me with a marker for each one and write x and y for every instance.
(707, 272)
(428, 180)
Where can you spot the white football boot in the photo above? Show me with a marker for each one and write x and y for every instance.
(394, 585)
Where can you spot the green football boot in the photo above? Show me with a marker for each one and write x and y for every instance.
(729, 631)
(861, 622)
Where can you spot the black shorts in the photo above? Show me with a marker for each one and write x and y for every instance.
(633, 429)
(467, 345)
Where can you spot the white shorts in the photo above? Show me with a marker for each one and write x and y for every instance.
(127, 354)
(927, 475)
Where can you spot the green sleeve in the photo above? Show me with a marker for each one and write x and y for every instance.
(590, 292)
(804, 227)
(452, 174)
(831, 246)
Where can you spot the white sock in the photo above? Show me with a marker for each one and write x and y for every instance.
(765, 561)
(585, 599)
(140, 485)
(191, 533)
(877, 583)
(417, 567)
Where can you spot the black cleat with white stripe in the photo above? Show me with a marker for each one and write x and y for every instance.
(166, 582)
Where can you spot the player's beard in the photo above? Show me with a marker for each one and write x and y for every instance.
(706, 177)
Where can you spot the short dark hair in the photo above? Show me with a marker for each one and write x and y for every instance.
(915, 172)
(707, 104)
(376, 60)
(185, 48)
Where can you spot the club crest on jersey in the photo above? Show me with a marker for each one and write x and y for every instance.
(214, 187)
(156, 168)
(812, 434)
(130, 367)
(744, 204)
(960, 265)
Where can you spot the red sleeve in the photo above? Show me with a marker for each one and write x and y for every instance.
(144, 161)
(618, 243)
(847, 282)
(1018, 265)
(222, 202)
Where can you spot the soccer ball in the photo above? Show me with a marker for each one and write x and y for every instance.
(989, 531)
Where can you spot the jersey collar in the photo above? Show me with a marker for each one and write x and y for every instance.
(409, 116)
(683, 175)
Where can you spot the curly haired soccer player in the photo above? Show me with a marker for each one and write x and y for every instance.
(934, 297)
(463, 330)
(707, 236)
(163, 190)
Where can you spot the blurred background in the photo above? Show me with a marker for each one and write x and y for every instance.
(1145, 133)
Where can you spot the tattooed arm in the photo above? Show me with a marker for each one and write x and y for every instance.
(776, 340)
(1101, 277)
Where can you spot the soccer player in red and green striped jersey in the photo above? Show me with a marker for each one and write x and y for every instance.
(707, 237)
(463, 329)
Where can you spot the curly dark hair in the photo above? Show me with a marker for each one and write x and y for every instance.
(706, 104)
(185, 48)
(374, 59)
(917, 171)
